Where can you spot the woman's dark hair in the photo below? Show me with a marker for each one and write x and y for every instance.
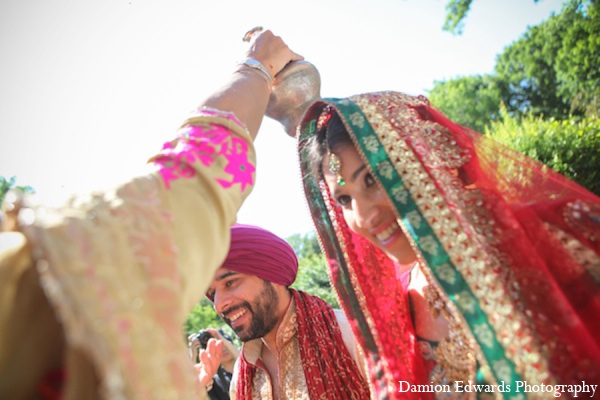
(336, 135)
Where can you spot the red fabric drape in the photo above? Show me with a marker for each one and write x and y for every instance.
(536, 233)
(329, 369)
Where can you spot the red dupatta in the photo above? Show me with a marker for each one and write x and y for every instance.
(512, 246)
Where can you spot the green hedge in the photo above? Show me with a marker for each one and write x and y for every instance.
(570, 147)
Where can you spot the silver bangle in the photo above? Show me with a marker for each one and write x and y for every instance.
(257, 65)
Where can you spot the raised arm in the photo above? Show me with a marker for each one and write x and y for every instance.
(247, 94)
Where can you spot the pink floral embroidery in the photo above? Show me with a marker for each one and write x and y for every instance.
(238, 164)
(201, 143)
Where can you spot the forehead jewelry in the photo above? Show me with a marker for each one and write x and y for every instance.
(335, 165)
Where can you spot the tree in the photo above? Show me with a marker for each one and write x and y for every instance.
(7, 184)
(578, 60)
(553, 70)
(313, 279)
(537, 73)
(456, 12)
(312, 268)
(472, 101)
(304, 245)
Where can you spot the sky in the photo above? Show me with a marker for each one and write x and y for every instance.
(90, 89)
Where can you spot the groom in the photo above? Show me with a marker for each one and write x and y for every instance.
(282, 328)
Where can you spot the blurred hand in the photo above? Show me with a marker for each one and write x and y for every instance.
(210, 360)
(227, 345)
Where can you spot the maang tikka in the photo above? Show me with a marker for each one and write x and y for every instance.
(335, 164)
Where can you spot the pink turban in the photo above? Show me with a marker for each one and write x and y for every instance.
(256, 251)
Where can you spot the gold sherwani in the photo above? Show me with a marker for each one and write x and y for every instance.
(101, 286)
(292, 383)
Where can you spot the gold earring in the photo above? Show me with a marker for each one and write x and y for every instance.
(335, 164)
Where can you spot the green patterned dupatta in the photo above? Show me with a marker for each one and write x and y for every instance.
(334, 244)
(340, 246)
(463, 232)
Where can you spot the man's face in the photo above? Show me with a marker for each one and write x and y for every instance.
(245, 302)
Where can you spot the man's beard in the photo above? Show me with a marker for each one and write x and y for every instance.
(264, 314)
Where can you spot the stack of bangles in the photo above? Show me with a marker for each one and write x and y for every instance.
(257, 66)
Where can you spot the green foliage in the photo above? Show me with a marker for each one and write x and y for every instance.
(578, 60)
(11, 183)
(304, 245)
(312, 268)
(456, 12)
(526, 75)
(472, 101)
(204, 316)
(314, 279)
(570, 147)
(554, 68)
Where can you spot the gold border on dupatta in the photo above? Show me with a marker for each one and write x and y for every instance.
(360, 296)
(512, 328)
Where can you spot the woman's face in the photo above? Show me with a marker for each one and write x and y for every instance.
(365, 206)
